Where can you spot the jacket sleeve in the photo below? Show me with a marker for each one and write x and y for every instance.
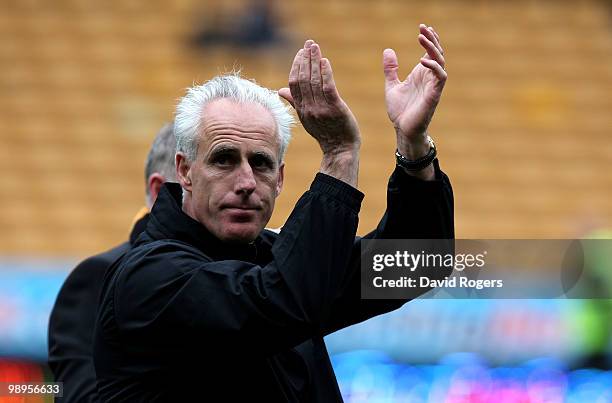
(71, 327)
(173, 295)
(416, 209)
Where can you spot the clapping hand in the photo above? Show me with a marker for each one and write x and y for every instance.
(411, 103)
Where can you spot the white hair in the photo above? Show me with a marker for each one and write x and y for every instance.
(189, 111)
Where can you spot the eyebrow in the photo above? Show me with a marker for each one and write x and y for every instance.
(223, 149)
(227, 149)
(262, 154)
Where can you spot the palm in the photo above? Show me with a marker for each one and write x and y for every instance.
(411, 103)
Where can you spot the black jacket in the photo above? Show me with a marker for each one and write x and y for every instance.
(71, 325)
(184, 317)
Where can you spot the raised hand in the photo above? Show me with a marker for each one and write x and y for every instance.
(411, 103)
(313, 94)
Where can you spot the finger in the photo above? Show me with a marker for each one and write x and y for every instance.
(437, 42)
(432, 52)
(304, 75)
(315, 74)
(308, 43)
(437, 38)
(330, 91)
(285, 93)
(390, 67)
(424, 30)
(436, 68)
(429, 33)
(294, 84)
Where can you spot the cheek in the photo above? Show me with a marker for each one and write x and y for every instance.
(203, 193)
(269, 183)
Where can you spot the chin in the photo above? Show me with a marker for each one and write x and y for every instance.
(240, 233)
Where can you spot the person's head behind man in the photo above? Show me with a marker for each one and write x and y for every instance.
(231, 139)
(159, 165)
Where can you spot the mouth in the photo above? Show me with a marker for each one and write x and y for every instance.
(239, 208)
(241, 213)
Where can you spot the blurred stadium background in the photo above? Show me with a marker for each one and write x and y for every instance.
(523, 130)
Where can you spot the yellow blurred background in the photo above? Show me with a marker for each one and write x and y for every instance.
(523, 129)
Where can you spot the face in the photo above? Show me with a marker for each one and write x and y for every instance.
(236, 176)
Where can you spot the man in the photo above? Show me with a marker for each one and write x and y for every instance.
(210, 306)
(72, 319)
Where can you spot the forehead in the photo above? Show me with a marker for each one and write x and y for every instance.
(227, 121)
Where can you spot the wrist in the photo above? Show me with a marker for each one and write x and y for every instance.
(413, 147)
(342, 164)
(421, 166)
(346, 151)
(338, 159)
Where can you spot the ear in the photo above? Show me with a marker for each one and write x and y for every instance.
(183, 170)
(154, 184)
(281, 177)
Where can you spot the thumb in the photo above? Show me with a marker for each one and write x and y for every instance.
(390, 66)
(285, 93)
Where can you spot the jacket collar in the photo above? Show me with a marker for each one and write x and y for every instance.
(138, 228)
(168, 221)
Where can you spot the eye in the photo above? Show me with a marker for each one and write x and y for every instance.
(223, 159)
(261, 162)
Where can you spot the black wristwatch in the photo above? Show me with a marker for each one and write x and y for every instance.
(419, 163)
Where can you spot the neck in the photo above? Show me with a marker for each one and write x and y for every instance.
(187, 205)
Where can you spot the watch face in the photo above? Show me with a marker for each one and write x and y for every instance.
(431, 142)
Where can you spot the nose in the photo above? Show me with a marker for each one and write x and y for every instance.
(245, 182)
